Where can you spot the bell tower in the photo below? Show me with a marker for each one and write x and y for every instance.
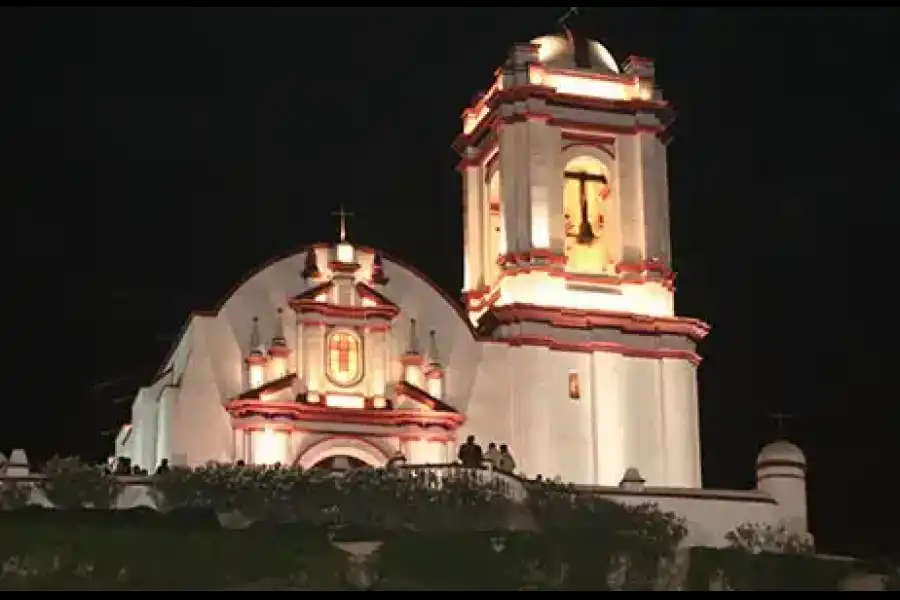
(565, 190)
(567, 267)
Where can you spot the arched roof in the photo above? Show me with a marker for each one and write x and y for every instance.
(455, 303)
(562, 51)
(781, 451)
(281, 277)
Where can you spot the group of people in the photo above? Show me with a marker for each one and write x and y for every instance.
(470, 455)
(121, 465)
(473, 457)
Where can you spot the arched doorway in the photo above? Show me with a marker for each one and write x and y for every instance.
(338, 451)
(341, 463)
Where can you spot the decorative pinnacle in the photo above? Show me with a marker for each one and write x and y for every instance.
(432, 348)
(343, 216)
(413, 345)
(278, 337)
(254, 335)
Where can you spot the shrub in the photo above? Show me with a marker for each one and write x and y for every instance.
(369, 498)
(633, 542)
(14, 494)
(765, 537)
(70, 483)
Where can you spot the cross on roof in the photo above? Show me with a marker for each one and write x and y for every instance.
(340, 212)
(573, 10)
(779, 418)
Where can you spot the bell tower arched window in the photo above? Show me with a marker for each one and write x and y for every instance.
(344, 357)
(586, 201)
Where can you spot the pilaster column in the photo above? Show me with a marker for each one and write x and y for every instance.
(473, 234)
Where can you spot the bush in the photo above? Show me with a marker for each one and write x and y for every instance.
(765, 537)
(70, 483)
(14, 494)
(371, 498)
(739, 570)
(633, 542)
(78, 550)
(186, 549)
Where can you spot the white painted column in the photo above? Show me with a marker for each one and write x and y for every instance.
(493, 191)
(549, 175)
(388, 358)
(608, 395)
(645, 430)
(239, 450)
(299, 350)
(315, 362)
(287, 455)
(164, 423)
(655, 197)
(473, 235)
(514, 186)
(369, 353)
(628, 188)
(682, 423)
(377, 363)
(541, 164)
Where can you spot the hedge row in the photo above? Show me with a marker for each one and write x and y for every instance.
(188, 549)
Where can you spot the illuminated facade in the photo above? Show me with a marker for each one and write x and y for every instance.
(568, 268)
(566, 346)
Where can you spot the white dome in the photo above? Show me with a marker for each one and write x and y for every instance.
(558, 51)
(781, 452)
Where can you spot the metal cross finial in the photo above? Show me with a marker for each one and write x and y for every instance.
(573, 10)
(343, 215)
(780, 418)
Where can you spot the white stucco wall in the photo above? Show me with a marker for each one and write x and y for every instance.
(633, 412)
(709, 514)
(200, 429)
(181, 416)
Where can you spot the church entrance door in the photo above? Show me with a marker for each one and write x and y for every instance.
(341, 463)
(342, 453)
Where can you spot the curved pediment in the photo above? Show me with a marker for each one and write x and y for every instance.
(408, 295)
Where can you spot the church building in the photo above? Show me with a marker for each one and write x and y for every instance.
(565, 344)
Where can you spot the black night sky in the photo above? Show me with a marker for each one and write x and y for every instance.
(155, 156)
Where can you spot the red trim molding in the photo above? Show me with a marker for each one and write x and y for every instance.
(590, 347)
(593, 319)
(492, 118)
(303, 306)
(305, 413)
(522, 263)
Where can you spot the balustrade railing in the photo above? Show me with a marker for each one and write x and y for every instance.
(434, 475)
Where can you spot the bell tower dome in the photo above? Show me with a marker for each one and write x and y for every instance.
(565, 190)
